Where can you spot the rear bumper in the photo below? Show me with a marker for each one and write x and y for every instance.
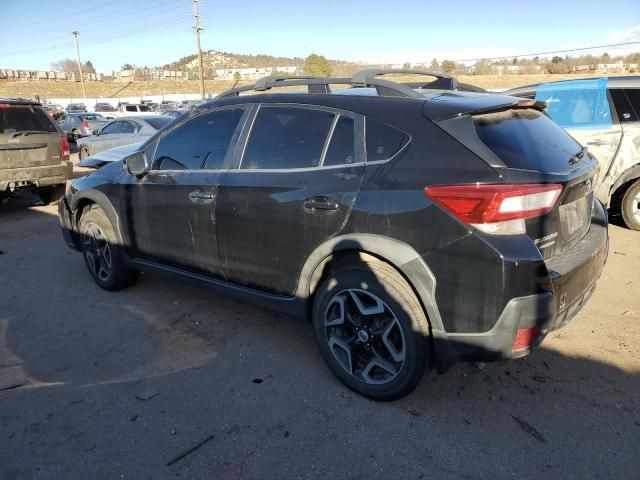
(573, 278)
(37, 176)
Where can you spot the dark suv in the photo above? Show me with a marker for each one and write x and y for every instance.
(34, 152)
(412, 225)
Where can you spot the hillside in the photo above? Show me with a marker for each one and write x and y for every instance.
(215, 59)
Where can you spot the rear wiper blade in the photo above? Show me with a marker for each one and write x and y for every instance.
(27, 132)
(578, 156)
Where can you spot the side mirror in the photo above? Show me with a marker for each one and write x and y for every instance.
(136, 164)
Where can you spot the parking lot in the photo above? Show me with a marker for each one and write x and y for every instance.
(168, 379)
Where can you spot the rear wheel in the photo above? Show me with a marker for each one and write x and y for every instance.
(102, 254)
(630, 206)
(371, 330)
(51, 194)
(84, 152)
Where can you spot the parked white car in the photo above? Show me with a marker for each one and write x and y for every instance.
(132, 110)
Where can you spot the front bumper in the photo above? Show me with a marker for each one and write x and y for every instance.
(573, 277)
(67, 224)
(37, 176)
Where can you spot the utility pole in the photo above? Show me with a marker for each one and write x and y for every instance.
(197, 28)
(75, 34)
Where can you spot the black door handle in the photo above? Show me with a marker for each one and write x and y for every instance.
(201, 197)
(320, 205)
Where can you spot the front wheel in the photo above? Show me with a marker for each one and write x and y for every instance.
(84, 152)
(102, 253)
(630, 206)
(371, 330)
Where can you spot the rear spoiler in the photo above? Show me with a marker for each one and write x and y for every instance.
(451, 104)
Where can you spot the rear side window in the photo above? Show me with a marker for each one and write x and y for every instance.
(21, 118)
(131, 108)
(341, 150)
(624, 110)
(526, 139)
(285, 137)
(383, 141)
(202, 142)
(633, 94)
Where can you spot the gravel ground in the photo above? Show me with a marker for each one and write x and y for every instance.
(168, 379)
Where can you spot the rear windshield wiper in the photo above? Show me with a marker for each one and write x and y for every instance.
(28, 132)
(578, 156)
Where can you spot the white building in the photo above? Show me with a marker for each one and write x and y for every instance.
(252, 72)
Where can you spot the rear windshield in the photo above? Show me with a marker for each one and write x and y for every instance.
(158, 123)
(91, 117)
(526, 139)
(21, 118)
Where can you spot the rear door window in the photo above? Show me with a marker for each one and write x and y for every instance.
(341, 150)
(383, 140)
(287, 137)
(131, 108)
(201, 142)
(577, 103)
(526, 139)
(21, 118)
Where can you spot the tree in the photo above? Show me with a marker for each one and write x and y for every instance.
(448, 66)
(127, 66)
(435, 66)
(317, 65)
(515, 61)
(237, 76)
(482, 67)
(406, 66)
(69, 65)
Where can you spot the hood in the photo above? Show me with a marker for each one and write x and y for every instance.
(109, 156)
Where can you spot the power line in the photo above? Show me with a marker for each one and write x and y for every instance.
(547, 53)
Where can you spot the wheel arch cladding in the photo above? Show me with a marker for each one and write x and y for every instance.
(93, 197)
(401, 256)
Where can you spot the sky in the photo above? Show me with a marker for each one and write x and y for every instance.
(35, 33)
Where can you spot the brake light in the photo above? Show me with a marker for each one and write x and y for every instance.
(496, 209)
(4, 105)
(525, 337)
(64, 148)
(86, 126)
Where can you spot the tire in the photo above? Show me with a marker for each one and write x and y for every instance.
(52, 194)
(102, 254)
(84, 152)
(389, 359)
(630, 206)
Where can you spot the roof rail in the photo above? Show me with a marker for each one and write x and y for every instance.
(364, 78)
(314, 84)
(444, 81)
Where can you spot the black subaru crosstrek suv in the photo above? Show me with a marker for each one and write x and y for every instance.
(413, 224)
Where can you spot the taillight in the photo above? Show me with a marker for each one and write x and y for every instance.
(496, 209)
(64, 148)
(86, 126)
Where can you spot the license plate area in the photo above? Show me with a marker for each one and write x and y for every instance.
(575, 217)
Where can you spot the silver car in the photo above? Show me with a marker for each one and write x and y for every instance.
(122, 131)
(603, 114)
